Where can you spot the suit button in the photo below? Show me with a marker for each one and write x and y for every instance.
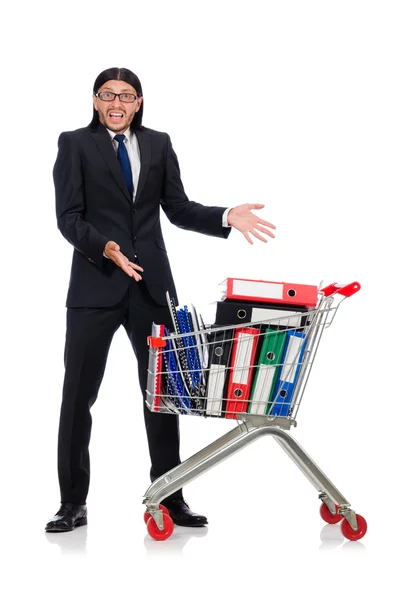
(135, 239)
(133, 211)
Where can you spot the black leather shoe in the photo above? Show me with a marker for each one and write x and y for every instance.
(181, 514)
(68, 517)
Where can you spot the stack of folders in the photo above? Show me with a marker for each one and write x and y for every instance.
(185, 358)
(230, 371)
(242, 366)
(176, 389)
(254, 367)
(279, 364)
(220, 347)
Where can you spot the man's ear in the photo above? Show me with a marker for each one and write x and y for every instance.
(140, 100)
(95, 101)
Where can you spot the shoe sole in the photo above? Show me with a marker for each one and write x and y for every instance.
(190, 524)
(78, 523)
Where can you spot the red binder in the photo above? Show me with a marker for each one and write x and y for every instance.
(155, 365)
(253, 290)
(241, 370)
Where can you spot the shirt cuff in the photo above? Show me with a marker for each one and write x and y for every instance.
(224, 217)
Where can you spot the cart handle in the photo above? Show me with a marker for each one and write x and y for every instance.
(333, 288)
(156, 342)
(345, 290)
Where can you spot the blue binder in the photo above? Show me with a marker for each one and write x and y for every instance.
(190, 348)
(174, 378)
(288, 374)
(180, 347)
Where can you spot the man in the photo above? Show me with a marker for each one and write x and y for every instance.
(110, 180)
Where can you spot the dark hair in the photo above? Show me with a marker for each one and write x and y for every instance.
(123, 75)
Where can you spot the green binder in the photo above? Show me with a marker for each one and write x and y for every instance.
(266, 373)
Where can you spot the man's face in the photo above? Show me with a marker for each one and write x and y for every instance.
(115, 115)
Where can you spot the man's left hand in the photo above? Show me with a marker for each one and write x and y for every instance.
(241, 218)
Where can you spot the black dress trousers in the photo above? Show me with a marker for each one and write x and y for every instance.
(89, 333)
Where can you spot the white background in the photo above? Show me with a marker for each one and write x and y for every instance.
(289, 103)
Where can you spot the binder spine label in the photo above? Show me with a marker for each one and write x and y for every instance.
(258, 288)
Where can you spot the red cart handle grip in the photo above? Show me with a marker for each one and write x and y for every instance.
(156, 342)
(345, 290)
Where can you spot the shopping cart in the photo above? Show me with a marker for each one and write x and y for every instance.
(255, 373)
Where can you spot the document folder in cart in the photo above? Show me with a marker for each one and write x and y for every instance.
(219, 357)
(191, 351)
(202, 343)
(179, 321)
(155, 367)
(234, 312)
(252, 290)
(266, 374)
(241, 370)
(176, 383)
(292, 360)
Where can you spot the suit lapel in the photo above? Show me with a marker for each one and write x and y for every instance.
(105, 146)
(146, 155)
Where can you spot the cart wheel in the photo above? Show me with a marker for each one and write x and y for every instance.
(147, 515)
(352, 535)
(155, 532)
(327, 516)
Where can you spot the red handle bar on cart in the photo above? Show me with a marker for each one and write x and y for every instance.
(333, 288)
(345, 290)
(156, 342)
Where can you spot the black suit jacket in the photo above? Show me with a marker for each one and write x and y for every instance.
(93, 206)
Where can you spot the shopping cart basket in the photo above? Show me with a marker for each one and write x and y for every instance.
(255, 373)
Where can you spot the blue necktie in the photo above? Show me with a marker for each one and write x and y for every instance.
(122, 155)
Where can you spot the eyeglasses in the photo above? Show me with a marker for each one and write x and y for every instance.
(110, 96)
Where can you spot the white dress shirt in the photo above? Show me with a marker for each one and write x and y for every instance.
(132, 146)
(131, 143)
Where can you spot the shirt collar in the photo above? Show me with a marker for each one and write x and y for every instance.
(128, 134)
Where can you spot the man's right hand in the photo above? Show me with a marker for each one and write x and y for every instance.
(112, 251)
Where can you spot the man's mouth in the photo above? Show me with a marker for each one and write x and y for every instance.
(116, 116)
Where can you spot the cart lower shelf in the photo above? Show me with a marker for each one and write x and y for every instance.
(334, 507)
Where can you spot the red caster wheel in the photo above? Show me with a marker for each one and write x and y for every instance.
(155, 532)
(327, 516)
(352, 535)
(147, 515)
